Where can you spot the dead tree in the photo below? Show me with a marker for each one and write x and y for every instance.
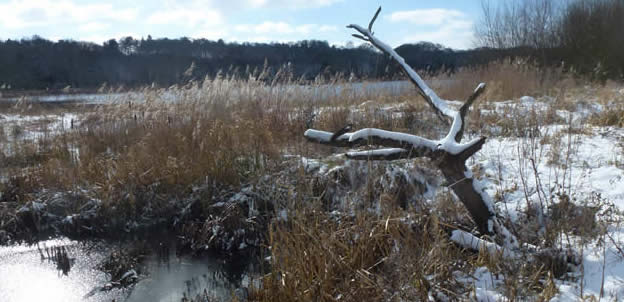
(448, 153)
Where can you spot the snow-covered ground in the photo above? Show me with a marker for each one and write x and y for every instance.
(567, 159)
(589, 167)
(576, 159)
(32, 127)
(534, 169)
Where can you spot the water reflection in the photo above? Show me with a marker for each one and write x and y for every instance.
(56, 270)
(173, 277)
(65, 270)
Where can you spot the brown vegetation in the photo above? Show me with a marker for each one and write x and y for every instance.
(230, 133)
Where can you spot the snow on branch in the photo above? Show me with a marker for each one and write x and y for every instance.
(372, 136)
(325, 138)
(471, 242)
(438, 104)
(465, 107)
(392, 139)
(450, 150)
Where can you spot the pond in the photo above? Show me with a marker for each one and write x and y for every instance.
(39, 273)
(313, 92)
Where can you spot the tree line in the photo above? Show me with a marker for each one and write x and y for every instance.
(37, 63)
(584, 36)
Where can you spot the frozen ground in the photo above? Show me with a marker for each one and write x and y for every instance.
(594, 168)
(583, 162)
(567, 159)
(32, 127)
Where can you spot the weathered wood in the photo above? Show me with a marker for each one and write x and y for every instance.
(454, 169)
(448, 153)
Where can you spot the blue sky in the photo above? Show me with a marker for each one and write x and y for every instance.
(401, 21)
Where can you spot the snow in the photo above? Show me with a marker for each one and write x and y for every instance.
(439, 103)
(479, 87)
(378, 152)
(413, 140)
(587, 164)
(527, 100)
(324, 136)
(588, 171)
(28, 128)
(469, 241)
(594, 171)
(595, 261)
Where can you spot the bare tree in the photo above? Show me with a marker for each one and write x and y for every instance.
(518, 23)
(448, 153)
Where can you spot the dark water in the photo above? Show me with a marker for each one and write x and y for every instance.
(34, 273)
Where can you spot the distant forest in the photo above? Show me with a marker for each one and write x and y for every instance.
(37, 63)
(584, 37)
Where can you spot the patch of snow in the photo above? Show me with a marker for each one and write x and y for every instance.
(600, 264)
(527, 100)
(283, 215)
(469, 241)
(414, 140)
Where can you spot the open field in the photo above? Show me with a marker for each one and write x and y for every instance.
(225, 165)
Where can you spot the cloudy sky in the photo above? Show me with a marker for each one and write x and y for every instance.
(448, 22)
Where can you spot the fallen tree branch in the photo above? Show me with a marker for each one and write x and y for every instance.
(448, 153)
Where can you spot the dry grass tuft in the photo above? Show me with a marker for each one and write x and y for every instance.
(318, 256)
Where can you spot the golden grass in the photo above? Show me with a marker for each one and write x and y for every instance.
(506, 80)
(316, 256)
(163, 142)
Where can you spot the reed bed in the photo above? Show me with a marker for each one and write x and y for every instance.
(156, 146)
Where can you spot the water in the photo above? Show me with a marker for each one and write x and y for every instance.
(320, 92)
(33, 273)
(84, 98)
(26, 274)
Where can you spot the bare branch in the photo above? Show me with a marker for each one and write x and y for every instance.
(325, 138)
(472, 148)
(448, 153)
(380, 154)
(465, 107)
(471, 242)
(437, 104)
(361, 37)
(372, 136)
(340, 132)
(370, 25)
(392, 139)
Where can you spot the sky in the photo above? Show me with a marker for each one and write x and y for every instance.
(448, 22)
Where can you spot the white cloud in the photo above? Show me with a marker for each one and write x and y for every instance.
(436, 16)
(282, 28)
(451, 28)
(23, 14)
(211, 33)
(291, 4)
(185, 17)
(100, 21)
(93, 27)
(458, 35)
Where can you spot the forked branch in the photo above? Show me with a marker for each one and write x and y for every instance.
(448, 153)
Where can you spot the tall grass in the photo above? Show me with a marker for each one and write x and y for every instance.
(155, 146)
(506, 80)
